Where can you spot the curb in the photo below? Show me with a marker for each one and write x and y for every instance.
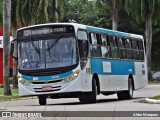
(152, 101)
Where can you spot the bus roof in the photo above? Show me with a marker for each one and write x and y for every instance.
(91, 28)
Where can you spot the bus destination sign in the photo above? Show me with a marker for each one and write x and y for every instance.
(45, 30)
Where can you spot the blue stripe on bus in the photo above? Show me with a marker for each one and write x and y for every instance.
(107, 31)
(59, 76)
(118, 67)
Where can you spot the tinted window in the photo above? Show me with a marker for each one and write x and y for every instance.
(135, 44)
(105, 40)
(95, 39)
(113, 41)
(106, 52)
(120, 43)
(95, 51)
(82, 35)
(140, 45)
(128, 43)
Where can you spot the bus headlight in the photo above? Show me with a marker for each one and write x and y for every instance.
(72, 77)
(24, 82)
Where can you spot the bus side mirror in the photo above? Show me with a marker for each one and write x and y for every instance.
(13, 51)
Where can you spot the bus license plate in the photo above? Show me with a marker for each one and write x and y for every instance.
(46, 88)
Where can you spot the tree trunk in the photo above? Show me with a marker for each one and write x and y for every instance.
(149, 43)
(56, 11)
(115, 19)
(14, 80)
(6, 45)
(114, 12)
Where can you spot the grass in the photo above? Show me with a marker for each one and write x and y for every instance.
(14, 91)
(154, 83)
(155, 97)
(14, 95)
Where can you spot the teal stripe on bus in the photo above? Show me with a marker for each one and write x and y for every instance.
(52, 77)
(118, 67)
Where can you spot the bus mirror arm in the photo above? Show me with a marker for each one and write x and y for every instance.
(13, 50)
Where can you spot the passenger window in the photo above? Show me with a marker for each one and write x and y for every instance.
(120, 43)
(105, 40)
(113, 41)
(122, 50)
(134, 44)
(140, 45)
(141, 52)
(128, 43)
(136, 54)
(95, 50)
(122, 53)
(95, 39)
(129, 53)
(106, 52)
(115, 53)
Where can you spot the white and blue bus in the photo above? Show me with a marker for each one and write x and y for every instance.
(63, 60)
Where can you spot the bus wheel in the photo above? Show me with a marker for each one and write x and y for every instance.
(93, 94)
(42, 99)
(90, 97)
(126, 94)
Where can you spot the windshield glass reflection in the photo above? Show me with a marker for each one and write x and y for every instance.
(48, 53)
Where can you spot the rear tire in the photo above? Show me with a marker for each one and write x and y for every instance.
(126, 94)
(90, 97)
(42, 100)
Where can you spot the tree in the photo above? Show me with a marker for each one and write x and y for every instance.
(14, 25)
(113, 6)
(145, 11)
(6, 44)
(80, 11)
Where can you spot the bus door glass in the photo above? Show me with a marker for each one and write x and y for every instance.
(83, 47)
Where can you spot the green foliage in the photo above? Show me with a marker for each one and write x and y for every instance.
(14, 91)
(155, 97)
(81, 11)
(139, 9)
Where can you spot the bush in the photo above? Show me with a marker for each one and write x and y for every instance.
(1, 86)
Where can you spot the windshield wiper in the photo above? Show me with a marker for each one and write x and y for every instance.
(37, 49)
(49, 47)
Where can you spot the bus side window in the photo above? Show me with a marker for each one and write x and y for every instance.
(105, 48)
(129, 50)
(141, 50)
(105, 40)
(122, 50)
(135, 49)
(95, 39)
(114, 47)
(96, 45)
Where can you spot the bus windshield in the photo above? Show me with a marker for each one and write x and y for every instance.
(46, 53)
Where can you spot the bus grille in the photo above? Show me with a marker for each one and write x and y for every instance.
(44, 82)
(56, 88)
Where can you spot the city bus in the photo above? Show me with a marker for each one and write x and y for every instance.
(70, 60)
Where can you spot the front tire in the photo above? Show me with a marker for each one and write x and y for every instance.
(42, 100)
(126, 94)
(90, 97)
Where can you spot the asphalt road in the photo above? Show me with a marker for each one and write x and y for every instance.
(110, 105)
